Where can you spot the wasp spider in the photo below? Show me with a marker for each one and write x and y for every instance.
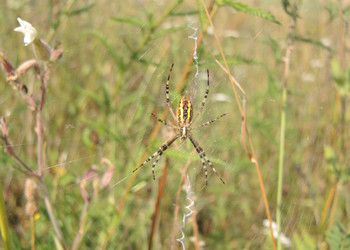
(184, 119)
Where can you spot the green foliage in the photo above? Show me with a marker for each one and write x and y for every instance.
(80, 10)
(333, 10)
(304, 241)
(132, 21)
(330, 157)
(341, 78)
(111, 78)
(274, 45)
(201, 14)
(312, 41)
(340, 172)
(338, 238)
(112, 52)
(240, 7)
(4, 226)
(287, 6)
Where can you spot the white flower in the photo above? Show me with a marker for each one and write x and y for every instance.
(28, 30)
(284, 239)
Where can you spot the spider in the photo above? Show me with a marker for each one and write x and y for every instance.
(184, 119)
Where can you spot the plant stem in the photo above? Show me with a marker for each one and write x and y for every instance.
(157, 205)
(81, 230)
(32, 232)
(281, 164)
(4, 227)
(51, 213)
(283, 128)
(39, 131)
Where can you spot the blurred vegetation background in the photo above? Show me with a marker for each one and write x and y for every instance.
(97, 121)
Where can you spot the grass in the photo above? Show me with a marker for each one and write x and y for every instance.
(96, 120)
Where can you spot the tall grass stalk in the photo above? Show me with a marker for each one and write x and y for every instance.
(281, 160)
(4, 226)
(283, 125)
(157, 205)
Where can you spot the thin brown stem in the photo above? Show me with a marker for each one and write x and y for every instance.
(328, 204)
(80, 232)
(32, 232)
(39, 128)
(12, 153)
(39, 132)
(334, 207)
(159, 197)
(50, 211)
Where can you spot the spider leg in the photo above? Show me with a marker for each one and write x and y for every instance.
(167, 94)
(159, 152)
(162, 121)
(154, 166)
(204, 99)
(204, 160)
(209, 122)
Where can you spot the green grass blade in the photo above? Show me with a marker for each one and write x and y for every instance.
(4, 227)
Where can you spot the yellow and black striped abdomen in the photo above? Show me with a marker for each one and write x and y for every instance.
(184, 111)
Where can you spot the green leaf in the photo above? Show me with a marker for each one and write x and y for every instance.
(287, 7)
(273, 89)
(337, 73)
(313, 41)
(185, 13)
(234, 60)
(90, 93)
(304, 241)
(331, 159)
(241, 60)
(132, 21)
(103, 129)
(80, 10)
(341, 78)
(240, 7)
(333, 10)
(86, 137)
(276, 48)
(112, 51)
(338, 237)
(106, 97)
(329, 154)
(201, 14)
(167, 31)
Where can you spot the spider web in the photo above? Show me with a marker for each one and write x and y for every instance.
(241, 211)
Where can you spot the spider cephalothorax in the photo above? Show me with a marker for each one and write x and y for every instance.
(184, 119)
